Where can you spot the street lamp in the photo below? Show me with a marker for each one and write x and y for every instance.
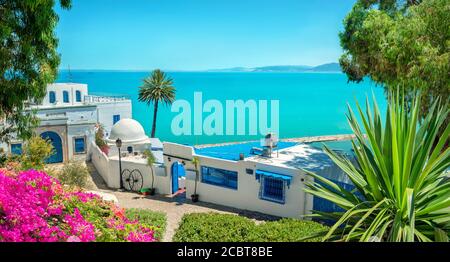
(119, 145)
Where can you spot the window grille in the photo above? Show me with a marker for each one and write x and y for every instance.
(272, 189)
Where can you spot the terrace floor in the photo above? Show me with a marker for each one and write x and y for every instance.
(174, 207)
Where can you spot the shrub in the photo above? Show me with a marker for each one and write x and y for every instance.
(35, 208)
(214, 227)
(157, 219)
(74, 174)
(100, 140)
(35, 153)
(287, 230)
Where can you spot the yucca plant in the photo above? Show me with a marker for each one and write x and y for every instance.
(402, 188)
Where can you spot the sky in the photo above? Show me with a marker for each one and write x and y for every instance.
(199, 34)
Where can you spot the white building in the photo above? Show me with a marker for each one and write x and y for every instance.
(68, 116)
(227, 175)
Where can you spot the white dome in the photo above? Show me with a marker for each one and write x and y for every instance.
(129, 131)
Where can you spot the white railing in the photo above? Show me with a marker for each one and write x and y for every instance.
(104, 99)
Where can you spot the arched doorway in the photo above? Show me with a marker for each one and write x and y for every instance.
(177, 172)
(56, 142)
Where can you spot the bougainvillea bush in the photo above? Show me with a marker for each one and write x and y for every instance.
(34, 207)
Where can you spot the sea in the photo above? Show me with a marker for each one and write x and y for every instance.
(310, 104)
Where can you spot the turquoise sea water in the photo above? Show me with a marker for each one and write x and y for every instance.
(311, 104)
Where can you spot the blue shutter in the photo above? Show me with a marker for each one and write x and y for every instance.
(116, 118)
(78, 96)
(80, 145)
(66, 97)
(16, 149)
(52, 97)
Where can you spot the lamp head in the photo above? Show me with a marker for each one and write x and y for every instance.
(119, 143)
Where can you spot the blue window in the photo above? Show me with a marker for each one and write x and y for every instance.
(116, 118)
(272, 189)
(130, 149)
(16, 149)
(78, 96)
(273, 186)
(80, 145)
(219, 177)
(65, 97)
(52, 97)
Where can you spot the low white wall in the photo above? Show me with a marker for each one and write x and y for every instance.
(100, 161)
(246, 196)
(109, 170)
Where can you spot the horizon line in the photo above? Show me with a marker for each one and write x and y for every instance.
(186, 70)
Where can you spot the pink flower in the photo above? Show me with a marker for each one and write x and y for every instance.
(73, 239)
(34, 208)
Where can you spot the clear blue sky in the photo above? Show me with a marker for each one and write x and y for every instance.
(199, 34)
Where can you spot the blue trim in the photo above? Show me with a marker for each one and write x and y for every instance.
(52, 97)
(177, 171)
(56, 142)
(65, 96)
(220, 177)
(286, 178)
(116, 118)
(272, 189)
(16, 148)
(78, 96)
(80, 145)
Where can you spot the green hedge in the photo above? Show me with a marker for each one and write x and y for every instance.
(157, 219)
(214, 227)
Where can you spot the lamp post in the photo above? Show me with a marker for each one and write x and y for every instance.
(119, 145)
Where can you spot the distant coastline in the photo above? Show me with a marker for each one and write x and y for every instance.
(324, 68)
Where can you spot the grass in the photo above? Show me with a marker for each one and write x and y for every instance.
(214, 227)
(156, 219)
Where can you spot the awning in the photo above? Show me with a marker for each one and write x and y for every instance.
(260, 173)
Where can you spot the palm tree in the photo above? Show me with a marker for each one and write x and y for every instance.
(158, 87)
(401, 184)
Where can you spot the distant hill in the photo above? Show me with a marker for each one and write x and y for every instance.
(330, 67)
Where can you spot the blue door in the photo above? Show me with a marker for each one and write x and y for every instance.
(177, 171)
(56, 142)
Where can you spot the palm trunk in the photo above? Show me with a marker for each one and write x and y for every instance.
(195, 185)
(153, 175)
(155, 112)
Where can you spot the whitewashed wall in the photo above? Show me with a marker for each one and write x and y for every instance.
(297, 202)
(58, 88)
(101, 163)
(106, 111)
(109, 170)
(87, 131)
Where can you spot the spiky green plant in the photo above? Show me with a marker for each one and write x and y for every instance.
(402, 189)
